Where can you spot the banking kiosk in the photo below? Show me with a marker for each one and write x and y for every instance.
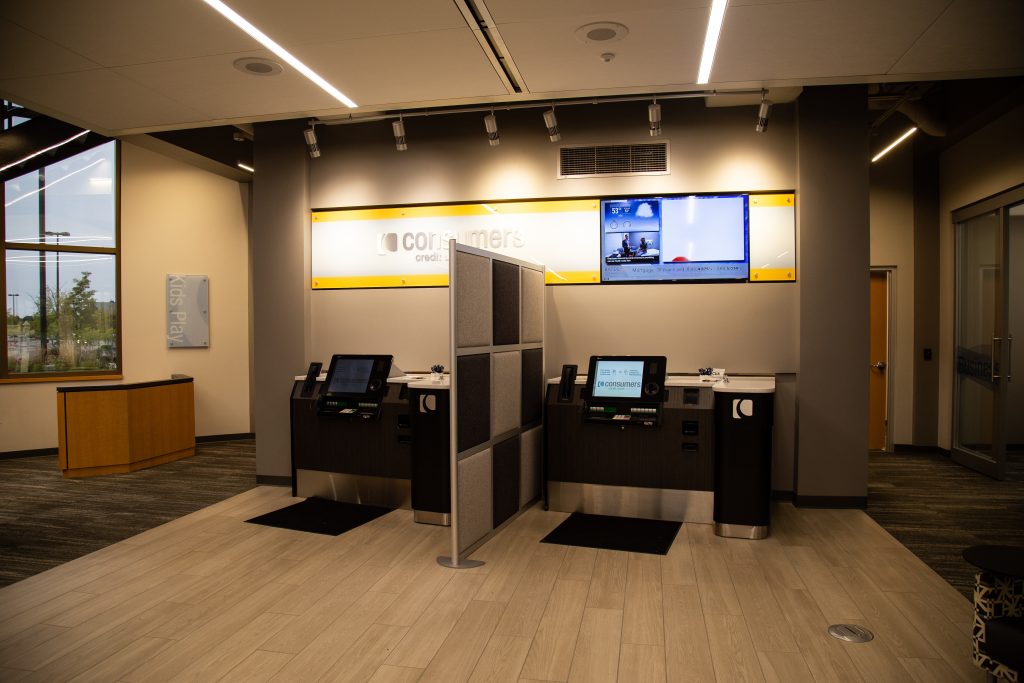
(352, 434)
(627, 440)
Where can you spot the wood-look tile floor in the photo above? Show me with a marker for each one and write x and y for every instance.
(208, 597)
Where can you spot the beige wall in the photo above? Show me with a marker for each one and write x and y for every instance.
(174, 219)
(892, 245)
(986, 163)
(747, 328)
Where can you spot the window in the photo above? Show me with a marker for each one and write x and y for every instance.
(61, 268)
(12, 114)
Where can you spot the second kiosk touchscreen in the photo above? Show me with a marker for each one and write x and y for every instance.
(625, 390)
(355, 386)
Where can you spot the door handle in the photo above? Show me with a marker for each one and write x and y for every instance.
(880, 366)
(996, 358)
(1009, 359)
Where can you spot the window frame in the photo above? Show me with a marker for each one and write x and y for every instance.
(6, 376)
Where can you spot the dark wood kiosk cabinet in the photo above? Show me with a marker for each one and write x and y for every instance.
(674, 467)
(374, 460)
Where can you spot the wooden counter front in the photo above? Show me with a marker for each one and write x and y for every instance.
(121, 428)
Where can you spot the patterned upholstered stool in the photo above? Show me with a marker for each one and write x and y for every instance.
(998, 634)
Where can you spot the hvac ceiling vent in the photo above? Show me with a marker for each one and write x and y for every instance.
(602, 160)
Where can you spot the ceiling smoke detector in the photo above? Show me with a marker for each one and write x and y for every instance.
(256, 66)
(601, 32)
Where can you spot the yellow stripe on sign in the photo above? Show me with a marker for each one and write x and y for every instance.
(370, 281)
(772, 274)
(572, 277)
(772, 200)
(450, 210)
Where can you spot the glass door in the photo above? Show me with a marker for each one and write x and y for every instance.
(985, 317)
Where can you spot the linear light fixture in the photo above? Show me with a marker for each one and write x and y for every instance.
(707, 57)
(246, 167)
(893, 145)
(264, 40)
(44, 151)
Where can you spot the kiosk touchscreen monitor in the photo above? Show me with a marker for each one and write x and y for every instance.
(355, 385)
(625, 388)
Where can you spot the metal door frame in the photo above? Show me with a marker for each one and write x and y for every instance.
(890, 350)
(995, 466)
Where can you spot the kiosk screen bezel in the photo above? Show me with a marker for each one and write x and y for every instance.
(375, 371)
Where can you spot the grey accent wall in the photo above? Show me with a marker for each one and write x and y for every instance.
(280, 285)
(832, 430)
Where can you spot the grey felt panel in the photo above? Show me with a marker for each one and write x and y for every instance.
(505, 284)
(533, 385)
(505, 392)
(474, 404)
(474, 489)
(472, 300)
(533, 306)
(529, 465)
(505, 477)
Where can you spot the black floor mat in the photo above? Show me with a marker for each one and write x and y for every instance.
(650, 536)
(321, 516)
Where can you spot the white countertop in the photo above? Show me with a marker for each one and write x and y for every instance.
(417, 381)
(762, 384)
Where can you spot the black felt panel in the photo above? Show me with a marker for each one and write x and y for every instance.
(474, 397)
(505, 478)
(533, 378)
(505, 288)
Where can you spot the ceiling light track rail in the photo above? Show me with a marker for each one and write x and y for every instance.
(540, 104)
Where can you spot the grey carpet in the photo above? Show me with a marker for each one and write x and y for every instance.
(936, 508)
(47, 520)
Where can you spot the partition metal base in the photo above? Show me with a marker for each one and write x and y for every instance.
(435, 518)
(354, 488)
(446, 561)
(741, 531)
(631, 501)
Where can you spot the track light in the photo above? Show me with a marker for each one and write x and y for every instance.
(398, 128)
(554, 134)
(491, 125)
(762, 115)
(654, 117)
(311, 142)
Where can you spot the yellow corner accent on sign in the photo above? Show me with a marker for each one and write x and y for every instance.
(573, 277)
(447, 211)
(772, 199)
(772, 274)
(371, 281)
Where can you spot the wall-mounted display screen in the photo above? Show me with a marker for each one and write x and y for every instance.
(618, 378)
(349, 375)
(675, 239)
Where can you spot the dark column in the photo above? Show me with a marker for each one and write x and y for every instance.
(280, 285)
(832, 436)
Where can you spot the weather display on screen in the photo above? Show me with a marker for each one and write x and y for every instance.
(350, 376)
(618, 378)
(686, 238)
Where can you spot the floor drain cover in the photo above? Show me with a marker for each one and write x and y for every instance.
(851, 633)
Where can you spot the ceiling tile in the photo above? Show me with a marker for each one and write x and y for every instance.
(23, 53)
(225, 92)
(428, 66)
(101, 100)
(311, 21)
(506, 11)
(662, 48)
(816, 40)
(119, 32)
(971, 35)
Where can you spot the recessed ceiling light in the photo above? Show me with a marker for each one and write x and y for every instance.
(255, 66)
(602, 32)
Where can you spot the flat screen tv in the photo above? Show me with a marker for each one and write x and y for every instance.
(684, 238)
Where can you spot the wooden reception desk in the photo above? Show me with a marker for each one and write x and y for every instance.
(117, 428)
